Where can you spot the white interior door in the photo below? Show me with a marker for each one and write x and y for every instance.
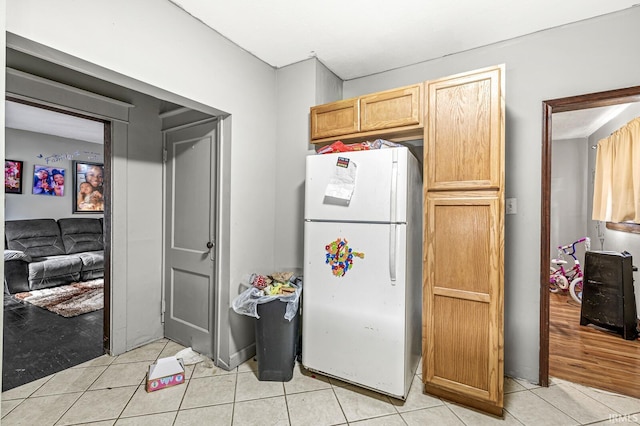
(190, 182)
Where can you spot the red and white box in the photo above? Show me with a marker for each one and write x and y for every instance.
(164, 373)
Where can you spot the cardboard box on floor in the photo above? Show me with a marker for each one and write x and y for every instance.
(165, 372)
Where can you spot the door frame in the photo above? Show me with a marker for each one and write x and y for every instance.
(572, 103)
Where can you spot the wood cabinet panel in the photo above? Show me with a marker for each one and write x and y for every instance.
(455, 340)
(464, 119)
(334, 119)
(391, 108)
(463, 247)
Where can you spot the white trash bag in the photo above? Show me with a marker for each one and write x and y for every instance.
(246, 303)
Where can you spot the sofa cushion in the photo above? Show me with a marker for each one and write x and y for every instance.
(92, 260)
(91, 275)
(11, 255)
(34, 237)
(53, 266)
(81, 234)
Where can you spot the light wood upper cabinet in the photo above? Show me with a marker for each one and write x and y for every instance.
(392, 108)
(394, 114)
(462, 150)
(334, 119)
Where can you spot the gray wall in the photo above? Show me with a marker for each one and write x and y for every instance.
(568, 193)
(28, 147)
(588, 56)
(2, 143)
(296, 94)
(300, 86)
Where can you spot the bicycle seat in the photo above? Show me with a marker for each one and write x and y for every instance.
(559, 261)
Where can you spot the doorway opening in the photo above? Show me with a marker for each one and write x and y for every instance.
(575, 103)
(37, 341)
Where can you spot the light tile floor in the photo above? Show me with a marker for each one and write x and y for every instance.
(110, 391)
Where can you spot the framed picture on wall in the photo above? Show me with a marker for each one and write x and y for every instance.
(48, 181)
(87, 187)
(13, 176)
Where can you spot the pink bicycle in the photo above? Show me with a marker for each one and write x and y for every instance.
(568, 279)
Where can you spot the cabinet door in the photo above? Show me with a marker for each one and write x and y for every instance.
(464, 124)
(463, 299)
(463, 274)
(335, 119)
(391, 108)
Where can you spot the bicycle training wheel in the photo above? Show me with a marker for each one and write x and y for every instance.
(576, 289)
(557, 282)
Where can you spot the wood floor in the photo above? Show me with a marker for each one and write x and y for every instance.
(590, 355)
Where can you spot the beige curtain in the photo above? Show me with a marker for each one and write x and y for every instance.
(616, 191)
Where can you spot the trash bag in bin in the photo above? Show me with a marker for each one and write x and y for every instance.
(276, 326)
(246, 303)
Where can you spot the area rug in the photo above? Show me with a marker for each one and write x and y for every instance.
(68, 300)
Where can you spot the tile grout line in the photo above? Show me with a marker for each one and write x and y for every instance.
(286, 400)
(184, 394)
(235, 391)
(333, 389)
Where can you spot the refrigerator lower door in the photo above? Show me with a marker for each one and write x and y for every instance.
(354, 317)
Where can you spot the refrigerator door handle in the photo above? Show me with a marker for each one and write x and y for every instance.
(393, 252)
(394, 186)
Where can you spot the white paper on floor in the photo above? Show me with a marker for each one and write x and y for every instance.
(191, 357)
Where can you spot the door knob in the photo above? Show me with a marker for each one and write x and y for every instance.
(209, 245)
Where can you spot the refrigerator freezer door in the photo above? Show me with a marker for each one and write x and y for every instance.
(379, 193)
(354, 321)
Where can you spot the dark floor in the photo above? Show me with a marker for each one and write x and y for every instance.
(38, 343)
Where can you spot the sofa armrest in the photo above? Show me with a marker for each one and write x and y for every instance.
(16, 271)
(10, 255)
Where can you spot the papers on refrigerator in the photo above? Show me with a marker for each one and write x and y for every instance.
(342, 183)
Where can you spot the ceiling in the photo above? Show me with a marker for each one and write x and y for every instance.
(355, 38)
(582, 123)
(40, 120)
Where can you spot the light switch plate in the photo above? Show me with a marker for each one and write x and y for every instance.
(511, 205)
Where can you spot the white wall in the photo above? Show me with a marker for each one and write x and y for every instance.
(159, 45)
(28, 147)
(588, 56)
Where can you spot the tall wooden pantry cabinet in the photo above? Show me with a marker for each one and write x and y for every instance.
(463, 272)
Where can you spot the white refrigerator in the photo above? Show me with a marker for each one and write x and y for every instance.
(362, 302)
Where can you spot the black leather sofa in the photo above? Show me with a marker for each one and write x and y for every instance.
(42, 253)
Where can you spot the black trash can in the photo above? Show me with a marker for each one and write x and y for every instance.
(276, 341)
